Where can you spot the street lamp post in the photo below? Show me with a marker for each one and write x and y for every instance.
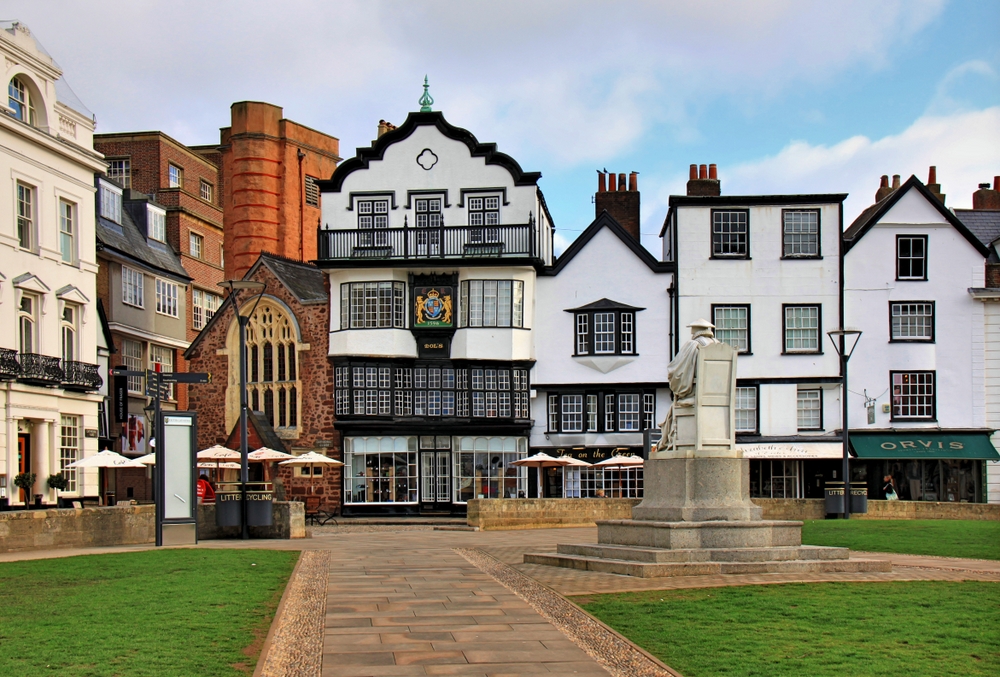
(840, 339)
(235, 286)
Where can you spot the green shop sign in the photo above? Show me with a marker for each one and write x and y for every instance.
(923, 444)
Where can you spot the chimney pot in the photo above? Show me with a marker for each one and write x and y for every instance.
(612, 182)
(694, 173)
(621, 181)
(703, 172)
(713, 172)
(932, 175)
(885, 181)
(984, 186)
(996, 183)
(601, 186)
(633, 182)
(895, 181)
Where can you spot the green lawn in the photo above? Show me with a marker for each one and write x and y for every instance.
(160, 613)
(945, 538)
(918, 629)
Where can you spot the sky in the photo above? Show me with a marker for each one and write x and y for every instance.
(785, 96)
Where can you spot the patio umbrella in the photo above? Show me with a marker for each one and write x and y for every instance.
(617, 461)
(213, 465)
(267, 457)
(218, 453)
(572, 463)
(105, 459)
(148, 459)
(542, 460)
(311, 459)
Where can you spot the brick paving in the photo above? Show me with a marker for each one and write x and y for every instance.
(404, 601)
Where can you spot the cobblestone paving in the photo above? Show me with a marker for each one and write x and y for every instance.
(296, 644)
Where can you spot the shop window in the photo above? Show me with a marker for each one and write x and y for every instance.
(380, 470)
(484, 468)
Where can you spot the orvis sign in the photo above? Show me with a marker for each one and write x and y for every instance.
(924, 444)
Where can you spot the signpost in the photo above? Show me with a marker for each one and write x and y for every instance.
(175, 473)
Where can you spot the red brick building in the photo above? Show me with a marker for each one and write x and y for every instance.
(290, 377)
(270, 166)
(186, 182)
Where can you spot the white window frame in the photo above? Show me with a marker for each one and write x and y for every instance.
(133, 292)
(133, 360)
(67, 231)
(797, 333)
(732, 326)
(629, 412)
(19, 101)
(491, 303)
(571, 418)
(914, 390)
(372, 305)
(809, 408)
(167, 294)
(156, 220)
(175, 176)
(30, 316)
(26, 215)
(163, 356)
(204, 305)
(800, 233)
(71, 328)
(111, 202)
(120, 170)
(911, 321)
(69, 449)
(746, 405)
(206, 190)
(196, 245)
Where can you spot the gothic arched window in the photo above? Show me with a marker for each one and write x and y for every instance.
(272, 376)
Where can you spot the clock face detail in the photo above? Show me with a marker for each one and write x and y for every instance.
(427, 158)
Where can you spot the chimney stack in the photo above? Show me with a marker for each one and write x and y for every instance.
(932, 184)
(704, 181)
(883, 188)
(384, 127)
(986, 198)
(620, 200)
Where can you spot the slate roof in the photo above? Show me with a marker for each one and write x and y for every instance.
(128, 240)
(603, 304)
(983, 223)
(304, 280)
(605, 220)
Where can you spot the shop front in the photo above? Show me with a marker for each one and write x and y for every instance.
(429, 474)
(792, 469)
(931, 465)
(589, 480)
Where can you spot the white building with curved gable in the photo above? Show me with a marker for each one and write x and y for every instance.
(48, 275)
(432, 242)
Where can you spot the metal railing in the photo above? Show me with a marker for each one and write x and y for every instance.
(9, 366)
(80, 376)
(501, 241)
(40, 369)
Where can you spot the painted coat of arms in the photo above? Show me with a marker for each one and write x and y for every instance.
(433, 307)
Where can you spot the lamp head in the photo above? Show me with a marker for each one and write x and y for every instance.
(850, 339)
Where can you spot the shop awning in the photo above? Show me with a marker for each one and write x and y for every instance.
(916, 444)
(792, 450)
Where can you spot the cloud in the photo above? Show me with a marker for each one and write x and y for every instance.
(953, 90)
(965, 148)
(569, 81)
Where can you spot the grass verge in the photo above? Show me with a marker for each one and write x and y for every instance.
(943, 538)
(158, 613)
(918, 629)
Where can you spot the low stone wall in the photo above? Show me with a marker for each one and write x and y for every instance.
(288, 521)
(77, 528)
(815, 509)
(22, 530)
(541, 513)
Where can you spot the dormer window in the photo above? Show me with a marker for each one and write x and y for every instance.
(156, 222)
(19, 100)
(111, 202)
(604, 327)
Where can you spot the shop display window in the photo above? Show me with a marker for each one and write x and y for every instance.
(381, 470)
(484, 467)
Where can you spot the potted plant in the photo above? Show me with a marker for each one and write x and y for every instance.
(25, 481)
(59, 483)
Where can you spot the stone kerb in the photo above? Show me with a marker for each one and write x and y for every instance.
(814, 508)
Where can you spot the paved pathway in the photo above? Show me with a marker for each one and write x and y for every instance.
(408, 601)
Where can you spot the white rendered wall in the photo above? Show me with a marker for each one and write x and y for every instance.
(953, 266)
(991, 311)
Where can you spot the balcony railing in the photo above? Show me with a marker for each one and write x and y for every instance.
(447, 242)
(40, 369)
(9, 367)
(80, 376)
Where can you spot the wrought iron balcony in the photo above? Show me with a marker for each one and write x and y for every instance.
(80, 376)
(446, 242)
(9, 367)
(40, 369)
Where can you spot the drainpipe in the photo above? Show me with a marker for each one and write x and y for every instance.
(11, 432)
(302, 197)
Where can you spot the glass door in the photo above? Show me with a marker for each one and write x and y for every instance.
(435, 480)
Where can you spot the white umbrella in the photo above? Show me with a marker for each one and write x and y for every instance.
(148, 459)
(265, 454)
(541, 460)
(219, 464)
(310, 458)
(106, 459)
(574, 461)
(218, 453)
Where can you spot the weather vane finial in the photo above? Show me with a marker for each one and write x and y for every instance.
(426, 101)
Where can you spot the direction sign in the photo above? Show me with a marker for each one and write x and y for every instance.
(185, 377)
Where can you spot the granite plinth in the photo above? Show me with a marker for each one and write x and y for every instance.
(696, 489)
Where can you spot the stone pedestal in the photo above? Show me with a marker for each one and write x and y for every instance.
(696, 489)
